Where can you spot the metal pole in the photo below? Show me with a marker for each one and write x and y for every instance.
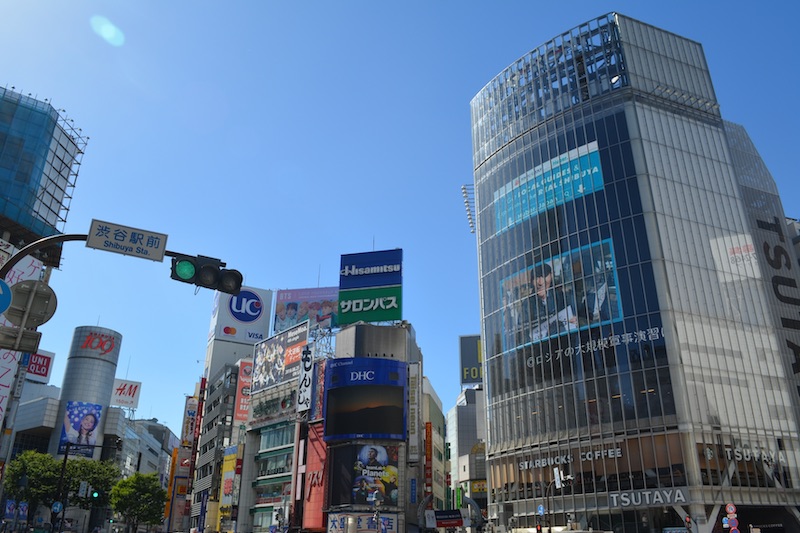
(61, 488)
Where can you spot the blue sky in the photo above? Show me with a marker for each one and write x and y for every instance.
(278, 135)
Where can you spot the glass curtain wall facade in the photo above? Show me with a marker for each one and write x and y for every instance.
(637, 368)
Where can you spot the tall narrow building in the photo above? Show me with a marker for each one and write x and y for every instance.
(639, 293)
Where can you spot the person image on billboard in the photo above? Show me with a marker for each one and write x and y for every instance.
(285, 316)
(388, 484)
(326, 318)
(84, 433)
(362, 490)
(550, 312)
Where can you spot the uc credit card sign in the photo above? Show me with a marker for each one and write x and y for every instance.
(370, 287)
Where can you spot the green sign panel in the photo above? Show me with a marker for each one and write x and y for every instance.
(374, 304)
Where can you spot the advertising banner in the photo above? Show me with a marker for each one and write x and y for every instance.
(318, 306)
(241, 410)
(189, 421)
(361, 523)
(304, 388)
(363, 474)
(39, 366)
(471, 359)
(80, 428)
(126, 393)
(370, 287)
(365, 398)
(562, 179)
(278, 358)
(561, 295)
(27, 269)
(243, 318)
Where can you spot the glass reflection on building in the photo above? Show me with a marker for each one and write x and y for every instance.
(636, 363)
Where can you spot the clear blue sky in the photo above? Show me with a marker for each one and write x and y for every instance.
(278, 135)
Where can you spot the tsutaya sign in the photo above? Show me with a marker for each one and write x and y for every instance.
(638, 498)
(127, 241)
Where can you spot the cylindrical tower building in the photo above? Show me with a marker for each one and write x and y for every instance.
(639, 296)
(86, 391)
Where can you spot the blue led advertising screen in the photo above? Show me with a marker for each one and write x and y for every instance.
(562, 179)
(560, 295)
(365, 398)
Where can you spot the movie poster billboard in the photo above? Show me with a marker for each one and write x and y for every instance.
(365, 398)
(364, 474)
(371, 287)
(319, 306)
(278, 358)
(81, 428)
(561, 295)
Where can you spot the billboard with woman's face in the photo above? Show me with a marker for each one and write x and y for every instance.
(81, 428)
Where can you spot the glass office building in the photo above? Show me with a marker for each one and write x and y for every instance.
(639, 293)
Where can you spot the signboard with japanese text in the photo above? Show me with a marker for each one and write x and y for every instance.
(126, 393)
(370, 287)
(244, 383)
(126, 241)
(27, 269)
(278, 358)
(189, 421)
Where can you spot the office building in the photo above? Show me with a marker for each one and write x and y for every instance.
(639, 293)
(40, 155)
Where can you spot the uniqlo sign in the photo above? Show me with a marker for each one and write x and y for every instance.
(39, 366)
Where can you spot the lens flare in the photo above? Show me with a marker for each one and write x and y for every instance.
(107, 30)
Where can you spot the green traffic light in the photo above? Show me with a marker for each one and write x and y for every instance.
(184, 269)
(95, 494)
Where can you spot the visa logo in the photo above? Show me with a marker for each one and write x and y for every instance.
(255, 335)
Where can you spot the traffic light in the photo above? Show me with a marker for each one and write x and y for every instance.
(538, 528)
(688, 521)
(206, 272)
(94, 493)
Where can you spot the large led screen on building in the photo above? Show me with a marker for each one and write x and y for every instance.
(562, 179)
(563, 294)
(319, 306)
(81, 428)
(371, 287)
(365, 398)
(362, 474)
(277, 359)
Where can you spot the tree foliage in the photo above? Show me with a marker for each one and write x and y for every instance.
(139, 499)
(42, 471)
(100, 475)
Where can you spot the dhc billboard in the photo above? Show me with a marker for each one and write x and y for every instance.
(365, 398)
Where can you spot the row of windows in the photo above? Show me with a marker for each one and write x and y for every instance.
(275, 437)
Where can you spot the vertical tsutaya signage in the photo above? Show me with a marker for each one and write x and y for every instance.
(471, 359)
(126, 393)
(370, 287)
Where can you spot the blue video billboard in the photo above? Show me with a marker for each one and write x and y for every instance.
(365, 398)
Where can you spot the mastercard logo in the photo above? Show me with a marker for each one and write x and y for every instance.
(227, 330)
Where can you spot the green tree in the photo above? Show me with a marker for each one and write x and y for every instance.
(100, 475)
(42, 472)
(140, 500)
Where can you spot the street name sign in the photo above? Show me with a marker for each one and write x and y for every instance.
(126, 240)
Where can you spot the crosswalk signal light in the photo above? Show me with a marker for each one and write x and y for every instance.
(538, 528)
(206, 272)
(688, 521)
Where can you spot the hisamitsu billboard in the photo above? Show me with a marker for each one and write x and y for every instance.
(370, 287)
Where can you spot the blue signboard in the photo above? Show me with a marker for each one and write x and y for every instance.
(555, 182)
(365, 398)
(371, 269)
(5, 296)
